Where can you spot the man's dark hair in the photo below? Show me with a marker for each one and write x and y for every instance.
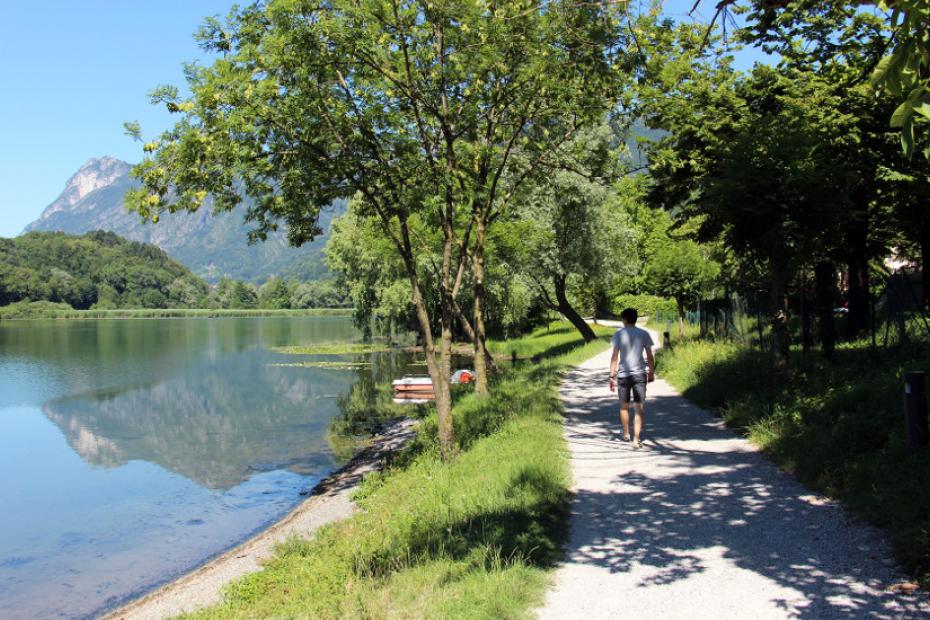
(630, 315)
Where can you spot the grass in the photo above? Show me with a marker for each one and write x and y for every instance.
(49, 310)
(334, 348)
(552, 340)
(474, 538)
(838, 427)
(331, 365)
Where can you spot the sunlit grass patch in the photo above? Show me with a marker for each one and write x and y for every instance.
(330, 365)
(334, 348)
(549, 341)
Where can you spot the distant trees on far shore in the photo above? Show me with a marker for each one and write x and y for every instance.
(101, 270)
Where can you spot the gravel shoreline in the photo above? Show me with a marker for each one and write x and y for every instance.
(329, 501)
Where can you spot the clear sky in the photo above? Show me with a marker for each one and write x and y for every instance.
(73, 72)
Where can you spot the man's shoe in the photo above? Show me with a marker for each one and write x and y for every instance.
(637, 444)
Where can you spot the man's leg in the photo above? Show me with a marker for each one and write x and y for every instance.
(638, 421)
(625, 419)
(639, 398)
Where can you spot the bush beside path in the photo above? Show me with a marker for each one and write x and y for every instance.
(699, 524)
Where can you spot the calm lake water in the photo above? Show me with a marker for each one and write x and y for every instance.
(133, 450)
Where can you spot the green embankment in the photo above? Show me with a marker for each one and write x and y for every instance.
(49, 310)
(838, 427)
(470, 539)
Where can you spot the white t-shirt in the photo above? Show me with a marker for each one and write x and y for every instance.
(631, 341)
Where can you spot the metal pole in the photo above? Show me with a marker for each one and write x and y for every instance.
(915, 410)
(666, 340)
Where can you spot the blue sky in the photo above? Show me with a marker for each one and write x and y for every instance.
(73, 72)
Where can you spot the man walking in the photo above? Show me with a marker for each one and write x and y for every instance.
(634, 372)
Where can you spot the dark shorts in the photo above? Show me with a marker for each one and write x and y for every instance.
(635, 385)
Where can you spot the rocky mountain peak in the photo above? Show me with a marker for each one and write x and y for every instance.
(96, 173)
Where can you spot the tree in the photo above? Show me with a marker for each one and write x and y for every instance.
(565, 233)
(274, 294)
(762, 170)
(891, 38)
(682, 270)
(417, 107)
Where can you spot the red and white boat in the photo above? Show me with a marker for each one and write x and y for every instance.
(413, 385)
(421, 386)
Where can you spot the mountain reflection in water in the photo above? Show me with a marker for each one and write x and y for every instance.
(143, 447)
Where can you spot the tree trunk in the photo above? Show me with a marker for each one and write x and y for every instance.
(570, 313)
(824, 301)
(442, 391)
(778, 310)
(481, 373)
(857, 319)
(925, 267)
(489, 362)
(807, 336)
(437, 371)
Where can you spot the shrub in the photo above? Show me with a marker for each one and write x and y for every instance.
(646, 305)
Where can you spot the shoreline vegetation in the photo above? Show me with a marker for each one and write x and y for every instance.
(475, 537)
(839, 428)
(48, 310)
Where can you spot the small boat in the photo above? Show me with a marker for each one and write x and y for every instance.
(422, 385)
(413, 385)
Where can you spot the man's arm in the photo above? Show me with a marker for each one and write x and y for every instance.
(613, 368)
(651, 362)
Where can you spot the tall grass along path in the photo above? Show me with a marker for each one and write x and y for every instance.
(698, 524)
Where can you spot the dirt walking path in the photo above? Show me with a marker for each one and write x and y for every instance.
(698, 524)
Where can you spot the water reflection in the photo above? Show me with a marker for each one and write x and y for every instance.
(212, 430)
(141, 448)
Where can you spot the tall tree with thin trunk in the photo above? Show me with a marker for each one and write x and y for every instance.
(417, 107)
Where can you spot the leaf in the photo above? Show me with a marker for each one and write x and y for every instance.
(880, 74)
(907, 137)
(923, 106)
(902, 114)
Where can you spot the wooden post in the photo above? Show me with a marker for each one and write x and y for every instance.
(666, 340)
(915, 410)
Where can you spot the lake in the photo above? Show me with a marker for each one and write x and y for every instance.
(134, 450)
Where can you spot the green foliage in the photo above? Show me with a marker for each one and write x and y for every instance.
(319, 294)
(646, 305)
(98, 269)
(837, 427)
(468, 539)
(34, 310)
(372, 273)
(567, 236)
(682, 270)
(275, 294)
(49, 310)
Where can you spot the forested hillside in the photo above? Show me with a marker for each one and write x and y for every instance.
(98, 269)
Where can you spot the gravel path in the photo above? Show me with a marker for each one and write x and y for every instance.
(698, 524)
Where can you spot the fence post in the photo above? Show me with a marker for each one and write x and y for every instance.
(666, 340)
(915, 410)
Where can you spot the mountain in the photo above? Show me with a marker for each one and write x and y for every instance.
(210, 245)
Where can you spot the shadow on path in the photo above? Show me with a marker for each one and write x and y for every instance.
(699, 524)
